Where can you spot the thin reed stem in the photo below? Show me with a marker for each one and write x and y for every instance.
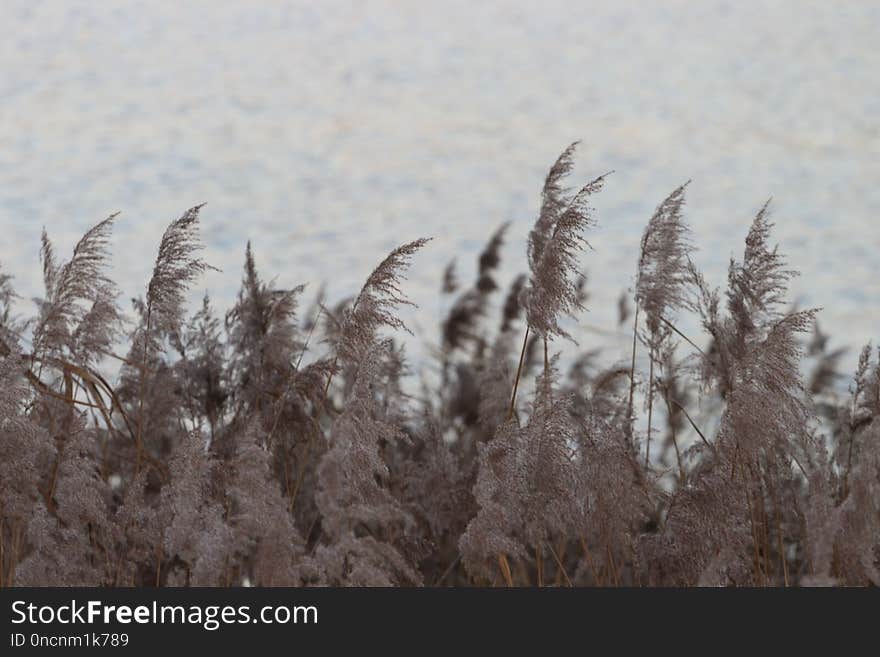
(519, 367)
(560, 565)
(681, 472)
(650, 409)
(505, 569)
(591, 564)
(539, 566)
(142, 393)
(632, 371)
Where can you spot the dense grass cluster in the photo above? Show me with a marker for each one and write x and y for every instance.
(270, 446)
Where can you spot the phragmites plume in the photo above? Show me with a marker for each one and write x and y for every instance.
(80, 301)
(500, 480)
(194, 528)
(663, 263)
(866, 388)
(551, 504)
(756, 289)
(63, 530)
(450, 280)
(461, 323)
(758, 285)
(660, 285)
(527, 486)
(764, 444)
(263, 530)
(489, 259)
(7, 295)
(262, 331)
(512, 308)
(553, 289)
(23, 445)
(555, 197)
(177, 266)
(353, 490)
(770, 372)
(376, 304)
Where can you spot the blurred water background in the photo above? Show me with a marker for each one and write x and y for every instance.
(329, 132)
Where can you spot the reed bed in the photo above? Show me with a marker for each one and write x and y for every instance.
(279, 444)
